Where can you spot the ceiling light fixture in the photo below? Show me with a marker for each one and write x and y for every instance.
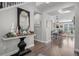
(65, 20)
(47, 2)
(62, 12)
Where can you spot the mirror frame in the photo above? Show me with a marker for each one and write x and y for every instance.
(19, 10)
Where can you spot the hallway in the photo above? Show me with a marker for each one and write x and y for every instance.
(48, 29)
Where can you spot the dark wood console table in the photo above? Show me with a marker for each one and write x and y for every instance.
(21, 45)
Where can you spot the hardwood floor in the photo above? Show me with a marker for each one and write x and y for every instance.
(63, 46)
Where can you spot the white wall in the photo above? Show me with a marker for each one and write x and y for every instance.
(46, 28)
(77, 27)
(38, 26)
(6, 18)
(43, 28)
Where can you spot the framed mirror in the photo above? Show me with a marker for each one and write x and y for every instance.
(23, 20)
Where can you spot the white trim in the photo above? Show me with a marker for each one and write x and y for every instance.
(12, 52)
(43, 41)
(48, 41)
(29, 46)
(77, 50)
(17, 37)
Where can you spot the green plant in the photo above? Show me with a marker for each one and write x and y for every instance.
(10, 34)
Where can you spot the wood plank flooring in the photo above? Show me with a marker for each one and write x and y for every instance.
(63, 46)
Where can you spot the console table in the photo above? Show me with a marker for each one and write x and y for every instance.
(21, 45)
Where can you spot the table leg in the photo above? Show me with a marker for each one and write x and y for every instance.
(22, 50)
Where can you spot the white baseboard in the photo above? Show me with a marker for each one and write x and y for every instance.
(48, 41)
(29, 46)
(77, 50)
(43, 41)
(10, 53)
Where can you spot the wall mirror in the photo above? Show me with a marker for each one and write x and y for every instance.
(23, 20)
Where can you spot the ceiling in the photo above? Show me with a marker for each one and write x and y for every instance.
(53, 7)
(55, 12)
